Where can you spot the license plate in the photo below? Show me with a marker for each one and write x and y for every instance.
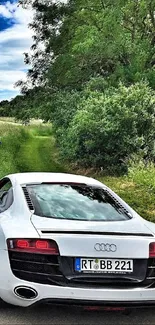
(106, 265)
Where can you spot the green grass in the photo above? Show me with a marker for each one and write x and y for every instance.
(38, 154)
(6, 128)
(32, 148)
(41, 130)
(137, 189)
(27, 148)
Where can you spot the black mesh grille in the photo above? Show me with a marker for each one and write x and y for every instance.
(34, 267)
(150, 276)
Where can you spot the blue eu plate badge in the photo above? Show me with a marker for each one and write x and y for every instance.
(78, 264)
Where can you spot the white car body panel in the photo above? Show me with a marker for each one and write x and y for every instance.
(83, 246)
(133, 225)
(74, 239)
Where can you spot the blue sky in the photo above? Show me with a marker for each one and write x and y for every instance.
(15, 39)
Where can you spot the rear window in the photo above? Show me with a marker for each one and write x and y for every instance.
(75, 202)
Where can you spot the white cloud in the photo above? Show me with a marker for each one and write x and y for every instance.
(9, 77)
(14, 41)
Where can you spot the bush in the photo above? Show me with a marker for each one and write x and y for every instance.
(60, 109)
(109, 127)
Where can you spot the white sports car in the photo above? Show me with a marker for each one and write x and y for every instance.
(70, 239)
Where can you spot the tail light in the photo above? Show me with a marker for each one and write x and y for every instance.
(40, 246)
(152, 250)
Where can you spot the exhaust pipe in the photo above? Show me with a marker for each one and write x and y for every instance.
(25, 292)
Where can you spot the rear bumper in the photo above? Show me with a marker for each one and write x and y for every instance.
(76, 296)
(70, 295)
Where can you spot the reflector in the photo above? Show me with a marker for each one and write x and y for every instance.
(114, 308)
(110, 308)
(92, 308)
(152, 250)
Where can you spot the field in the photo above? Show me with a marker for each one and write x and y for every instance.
(32, 148)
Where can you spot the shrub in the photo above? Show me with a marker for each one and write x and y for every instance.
(60, 109)
(109, 127)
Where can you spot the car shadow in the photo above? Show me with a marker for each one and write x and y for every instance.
(68, 315)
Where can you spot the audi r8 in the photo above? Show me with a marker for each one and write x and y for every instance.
(70, 239)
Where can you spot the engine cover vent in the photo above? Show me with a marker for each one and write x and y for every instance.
(28, 199)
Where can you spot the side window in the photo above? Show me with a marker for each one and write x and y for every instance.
(6, 194)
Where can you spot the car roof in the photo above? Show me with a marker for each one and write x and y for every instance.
(38, 177)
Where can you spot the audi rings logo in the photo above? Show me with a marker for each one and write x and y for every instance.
(105, 247)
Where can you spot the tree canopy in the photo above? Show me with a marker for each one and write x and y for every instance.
(80, 39)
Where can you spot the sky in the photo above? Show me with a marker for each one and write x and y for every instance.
(15, 39)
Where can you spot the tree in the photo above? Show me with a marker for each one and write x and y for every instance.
(5, 108)
(83, 39)
(45, 25)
